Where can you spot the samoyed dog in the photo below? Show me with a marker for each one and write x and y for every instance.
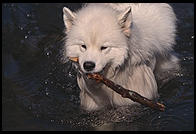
(131, 44)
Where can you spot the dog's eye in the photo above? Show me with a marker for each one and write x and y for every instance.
(103, 48)
(83, 46)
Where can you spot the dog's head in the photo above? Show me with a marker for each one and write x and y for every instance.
(97, 35)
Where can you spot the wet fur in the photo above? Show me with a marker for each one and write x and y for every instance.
(144, 44)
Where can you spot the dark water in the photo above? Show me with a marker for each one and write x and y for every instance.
(41, 93)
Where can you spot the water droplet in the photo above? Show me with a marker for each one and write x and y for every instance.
(47, 93)
(46, 82)
(192, 37)
(26, 36)
(62, 121)
(184, 83)
(190, 58)
(47, 53)
(21, 28)
(70, 74)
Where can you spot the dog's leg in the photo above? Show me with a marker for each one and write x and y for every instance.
(86, 101)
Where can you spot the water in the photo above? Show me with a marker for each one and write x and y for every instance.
(41, 93)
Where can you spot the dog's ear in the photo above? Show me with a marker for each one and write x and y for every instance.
(125, 21)
(68, 18)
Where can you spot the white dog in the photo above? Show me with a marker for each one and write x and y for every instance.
(129, 43)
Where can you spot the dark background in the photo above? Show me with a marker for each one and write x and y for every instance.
(39, 92)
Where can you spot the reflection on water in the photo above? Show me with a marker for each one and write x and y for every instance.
(41, 93)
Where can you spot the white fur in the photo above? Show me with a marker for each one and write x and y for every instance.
(139, 44)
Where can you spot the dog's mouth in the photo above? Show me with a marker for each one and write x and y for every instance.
(102, 72)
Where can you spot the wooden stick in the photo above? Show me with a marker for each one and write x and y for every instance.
(75, 59)
(125, 93)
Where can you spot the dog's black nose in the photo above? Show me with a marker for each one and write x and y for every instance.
(89, 65)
